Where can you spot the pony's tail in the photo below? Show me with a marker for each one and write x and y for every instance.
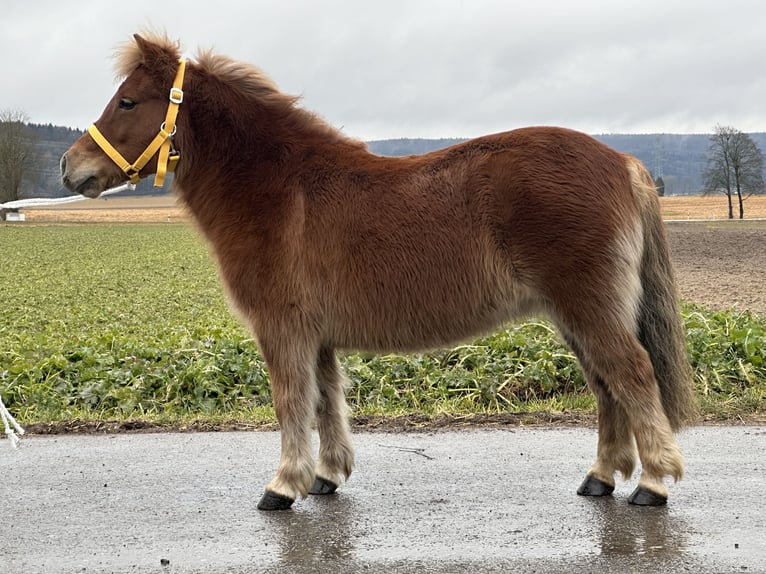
(660, 328)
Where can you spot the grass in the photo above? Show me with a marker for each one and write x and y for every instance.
(128, 321)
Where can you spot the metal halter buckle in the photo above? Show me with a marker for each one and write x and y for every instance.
(176, 95)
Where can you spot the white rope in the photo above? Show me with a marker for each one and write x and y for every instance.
(43, 201)
(11, 426)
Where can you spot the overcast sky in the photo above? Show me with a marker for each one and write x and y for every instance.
(440, 68)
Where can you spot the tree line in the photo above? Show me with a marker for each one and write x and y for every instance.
(732, 164)
(735, 167)
(17, 153)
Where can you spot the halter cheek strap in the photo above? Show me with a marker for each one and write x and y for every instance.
(162, 142)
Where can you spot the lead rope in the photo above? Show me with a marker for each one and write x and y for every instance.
(11, 426)
(46, 201)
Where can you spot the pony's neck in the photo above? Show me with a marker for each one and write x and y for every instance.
(239, 151)
(233, 128)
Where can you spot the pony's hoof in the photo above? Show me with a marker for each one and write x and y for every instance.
(592, 486)
(323, 486)
(273, 501)
(645, 497)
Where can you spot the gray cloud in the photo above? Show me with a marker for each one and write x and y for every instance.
(422, 69)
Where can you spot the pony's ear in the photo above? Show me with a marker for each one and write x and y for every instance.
(150, 50)
(157, 53)
(153, 50)
(142, 44)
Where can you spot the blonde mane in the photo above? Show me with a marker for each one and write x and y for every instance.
(128, 55)
(245, 78)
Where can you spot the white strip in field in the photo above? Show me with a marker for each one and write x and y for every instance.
(46, 201)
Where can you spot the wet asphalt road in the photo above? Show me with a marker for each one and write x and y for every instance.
(447, 502)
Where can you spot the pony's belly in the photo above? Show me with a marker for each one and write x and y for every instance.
(411, 332)
(427, 313)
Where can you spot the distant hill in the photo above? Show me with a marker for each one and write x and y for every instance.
(679, 159)
(52, 141)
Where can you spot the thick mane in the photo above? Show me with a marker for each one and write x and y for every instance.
(244, 78)
(247, 80)
(129, 56)
(252, 83)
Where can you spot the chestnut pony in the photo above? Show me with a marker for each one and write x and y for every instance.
(324, 246)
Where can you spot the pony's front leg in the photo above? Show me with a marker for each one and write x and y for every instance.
(336, 454)
(294, 392)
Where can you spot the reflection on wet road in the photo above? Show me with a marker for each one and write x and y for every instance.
(468, 501)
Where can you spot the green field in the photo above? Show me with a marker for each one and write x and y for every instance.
(128, 321)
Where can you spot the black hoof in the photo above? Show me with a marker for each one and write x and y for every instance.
(645, 497)
(323, 486)
(273, 501)
(592, 486)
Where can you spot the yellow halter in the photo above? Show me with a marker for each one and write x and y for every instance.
(166, 161)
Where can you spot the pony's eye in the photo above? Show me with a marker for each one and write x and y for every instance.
(126, 104)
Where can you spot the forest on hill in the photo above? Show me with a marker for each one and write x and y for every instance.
(680, 159)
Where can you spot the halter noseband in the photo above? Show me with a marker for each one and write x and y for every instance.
(168, 156)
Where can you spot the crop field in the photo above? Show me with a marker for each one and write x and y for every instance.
(164, 209)
(128, 321)
(112, 209)
(710, 207)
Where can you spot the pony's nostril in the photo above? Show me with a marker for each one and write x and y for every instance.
(62, 164)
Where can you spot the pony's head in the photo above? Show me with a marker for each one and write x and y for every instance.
(129, 124)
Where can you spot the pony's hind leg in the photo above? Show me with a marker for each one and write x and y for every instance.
(294, 392)
(634, 386)
(616, 449)
(625, 372)
(336, 454)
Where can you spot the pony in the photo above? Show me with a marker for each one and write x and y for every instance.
(325, 247)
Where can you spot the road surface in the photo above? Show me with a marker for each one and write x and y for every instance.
(442, 502)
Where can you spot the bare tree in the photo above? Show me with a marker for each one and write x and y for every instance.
(735, 166)
(17, 153)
